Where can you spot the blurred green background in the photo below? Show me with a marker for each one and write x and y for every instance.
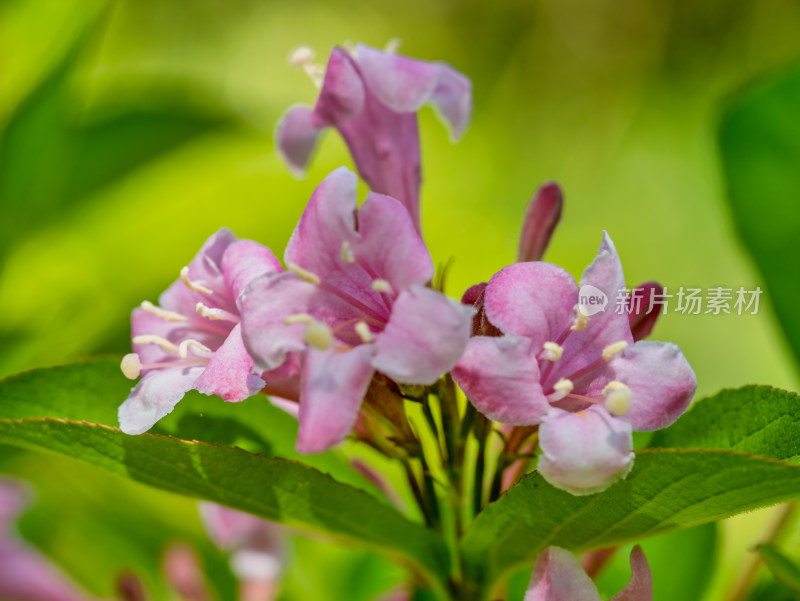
(132, 130)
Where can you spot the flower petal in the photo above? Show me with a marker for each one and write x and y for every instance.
(155, 396)
(541, 219)
(535, 300)
(245, 260)
(333, 384)
(296, 137)
(640, 587)
(401, 83)
(661, 380)
(453, 98)
(14, 498)
(500, 377)
(342, 94)
(424, 338)
(390, 243)
(641, 321)
(228, 373)
(585, 452)
(27, 575)
(558, 576)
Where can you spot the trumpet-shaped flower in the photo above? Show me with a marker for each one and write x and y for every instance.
(558, 576)
(354, 301)
(192, 339)
(371, 98)
(568, 361)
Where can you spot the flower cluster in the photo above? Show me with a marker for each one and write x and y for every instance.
(351, 328)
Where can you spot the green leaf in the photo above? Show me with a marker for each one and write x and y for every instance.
(783, 568)
(754, 419)
(760, 146)
(276, 489)
(666, 490)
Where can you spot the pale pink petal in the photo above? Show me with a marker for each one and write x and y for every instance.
(14, 497)
(245, 260)
(541, 219)
(584, 452)
(229, 372)
(453, 98)
(401, 83)
(342, 95)
(333, 383)
(27, 575)
(500, 377)
(296, 137)
(424, 339)
(283, 383)
(535, 300)
(390, 243)
(640, 587)
(558, 576)
(155, 396)
(661, 380)
(184, 573)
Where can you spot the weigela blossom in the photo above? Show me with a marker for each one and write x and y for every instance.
(192, 339)
(558, 576)
(580, 376)
(354, 300)
(371, 98)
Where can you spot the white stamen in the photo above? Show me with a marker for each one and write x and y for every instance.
(303, 274)
(197, 286)
(162, 313)
(613, 349)
(347, 254)
(162, 343)
(381, 286)
(298, 318)
(197, 348)
(393, 45)
(215, 314)
(551, 352)
(319, 336)
(301, 56)
(618, 398)
(363, 331)
(581, 319)
(562, 388)
(131, 366)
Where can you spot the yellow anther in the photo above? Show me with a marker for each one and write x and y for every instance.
(301, 56)
(303, 274)
(162, 343)
(298, 318)
(562, 388)
(197, 286)
(581, 319)
(381, 286)
(613, 349)
(197, 348)
(363, 331)
(318, 335)
(162, 313)
(347, 253)
(551, 352)
(393, 45)
(618, 398)
(214, 314)
(131, 366)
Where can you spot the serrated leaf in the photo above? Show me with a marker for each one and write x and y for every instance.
(784, 569)
(281, 490)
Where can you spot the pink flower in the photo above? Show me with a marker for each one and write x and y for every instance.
(193, 340)
(371, 98)
(573, 368)
(26, 574)
(558, 576)
(354, 301)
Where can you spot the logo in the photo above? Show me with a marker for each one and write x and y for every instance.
(591, 300)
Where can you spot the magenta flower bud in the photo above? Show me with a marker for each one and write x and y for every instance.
(541, 219)
(643, 311)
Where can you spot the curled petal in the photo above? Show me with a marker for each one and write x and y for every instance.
(245, 260)
(584, 452)
(661, 381)
(425, 337)
(342, 95)
(333, 384)
(541, 219)
(296, 137)
(535, 300)
(558, 576)
(640, 587)
(500, 377)
(229, 372)
(453, 98)
(155, 396)
(642, 316)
